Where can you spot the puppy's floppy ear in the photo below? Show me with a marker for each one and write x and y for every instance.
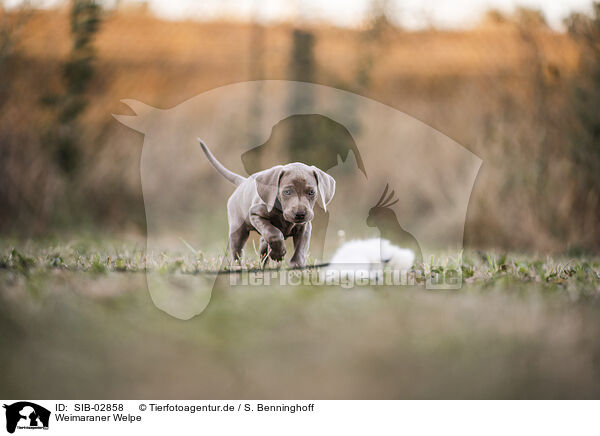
(326, 185)
(267, 185)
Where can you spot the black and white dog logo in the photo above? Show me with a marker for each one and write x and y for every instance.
(26, 415)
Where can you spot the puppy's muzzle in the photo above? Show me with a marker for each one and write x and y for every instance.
(300, 217)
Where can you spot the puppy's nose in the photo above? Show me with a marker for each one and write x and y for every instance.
(300, 215)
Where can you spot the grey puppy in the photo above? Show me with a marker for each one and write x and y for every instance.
(277, 203)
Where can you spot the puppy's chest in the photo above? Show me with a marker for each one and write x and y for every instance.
(287, 228)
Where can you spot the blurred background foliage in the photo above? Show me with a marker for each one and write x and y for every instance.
(518, 93)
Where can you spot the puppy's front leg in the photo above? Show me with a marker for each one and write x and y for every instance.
(301, 244)
(268, 231)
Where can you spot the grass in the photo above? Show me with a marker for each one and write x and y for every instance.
(76, 321)
(577, 277)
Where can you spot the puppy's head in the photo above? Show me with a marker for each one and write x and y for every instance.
(296, 187)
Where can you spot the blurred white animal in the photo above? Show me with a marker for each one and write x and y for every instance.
(367, 258)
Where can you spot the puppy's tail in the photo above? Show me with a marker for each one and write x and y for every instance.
(234, 178)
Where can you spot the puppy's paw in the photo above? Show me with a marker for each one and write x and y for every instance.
(297, 262)
(277, 249)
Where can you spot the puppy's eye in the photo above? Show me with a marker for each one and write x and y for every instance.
(287, 192)
(311, 192)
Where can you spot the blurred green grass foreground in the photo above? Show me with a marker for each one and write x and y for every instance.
(79, 317)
